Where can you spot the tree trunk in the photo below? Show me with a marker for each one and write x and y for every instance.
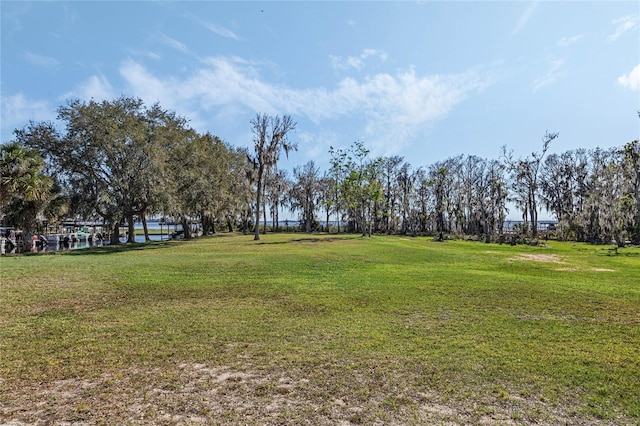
(363, 220)
(186, 228)
(264, 217)
(308, 219)
(274, 218)
(115, 233)
(26, 240)
(245, 219)
(204, 221)
(256, 234)
(534, 220)
(208, 223)
(403, 227)
(636, 224)
(131, 238)
(143, 218)
(327, 221)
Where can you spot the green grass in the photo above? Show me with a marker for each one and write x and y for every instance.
(322, 329)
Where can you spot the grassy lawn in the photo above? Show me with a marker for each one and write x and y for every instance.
(319, 329)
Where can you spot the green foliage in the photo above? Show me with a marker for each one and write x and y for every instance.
(121, 159)
(22, 174)
(631, 153)
(305, 193)
(361, 186)
(270, 137)
(26, 191)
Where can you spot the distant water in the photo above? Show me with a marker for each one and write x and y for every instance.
(79, 245)
(508, 224)
(153, 224)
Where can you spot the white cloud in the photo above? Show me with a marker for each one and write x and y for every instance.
(13, 13)
(148, 87)
(389, 107)
(145, 53)
(16, 111)
(568, 41)
(554, 73)
(399, 106)
(171, 93)
(631, 80)
(96, 87)
(220, 30)
(357, 62)
(524, 18)
(173, 43)
(314, 145)
(623, 25)
(41, 61)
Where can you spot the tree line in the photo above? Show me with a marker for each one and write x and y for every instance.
(118, 161)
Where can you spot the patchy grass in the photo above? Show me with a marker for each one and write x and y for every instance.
(321, 329)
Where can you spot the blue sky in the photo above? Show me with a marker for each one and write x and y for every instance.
(423, 80)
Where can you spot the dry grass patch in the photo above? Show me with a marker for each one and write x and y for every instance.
(196, 394)
(576, 269)
(543, 258)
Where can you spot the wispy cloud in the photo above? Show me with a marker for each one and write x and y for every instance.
(389, 107)
(631, 80)
(173, 43)
(41, 61)
(67, 19)
(554, 73)
(17, 110)
(568, 41)
(524, 18)
(146, 85)
(397, 107)
(13, 13)
(220, 30)
(357, 62)
(623, 25)
(95, 87)
(145, 53)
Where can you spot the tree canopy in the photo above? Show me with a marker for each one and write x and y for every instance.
(119, 161)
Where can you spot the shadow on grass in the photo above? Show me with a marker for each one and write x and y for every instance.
(111, 249)
(628, 251)
(149, 245)
(309, 239)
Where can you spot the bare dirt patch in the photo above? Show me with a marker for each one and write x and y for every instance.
(543, 258)
(197, 394)
(576, 269)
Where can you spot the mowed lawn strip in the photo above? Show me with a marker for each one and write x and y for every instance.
(387, 329)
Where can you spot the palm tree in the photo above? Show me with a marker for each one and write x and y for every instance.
(24, 188)
(21, 173)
